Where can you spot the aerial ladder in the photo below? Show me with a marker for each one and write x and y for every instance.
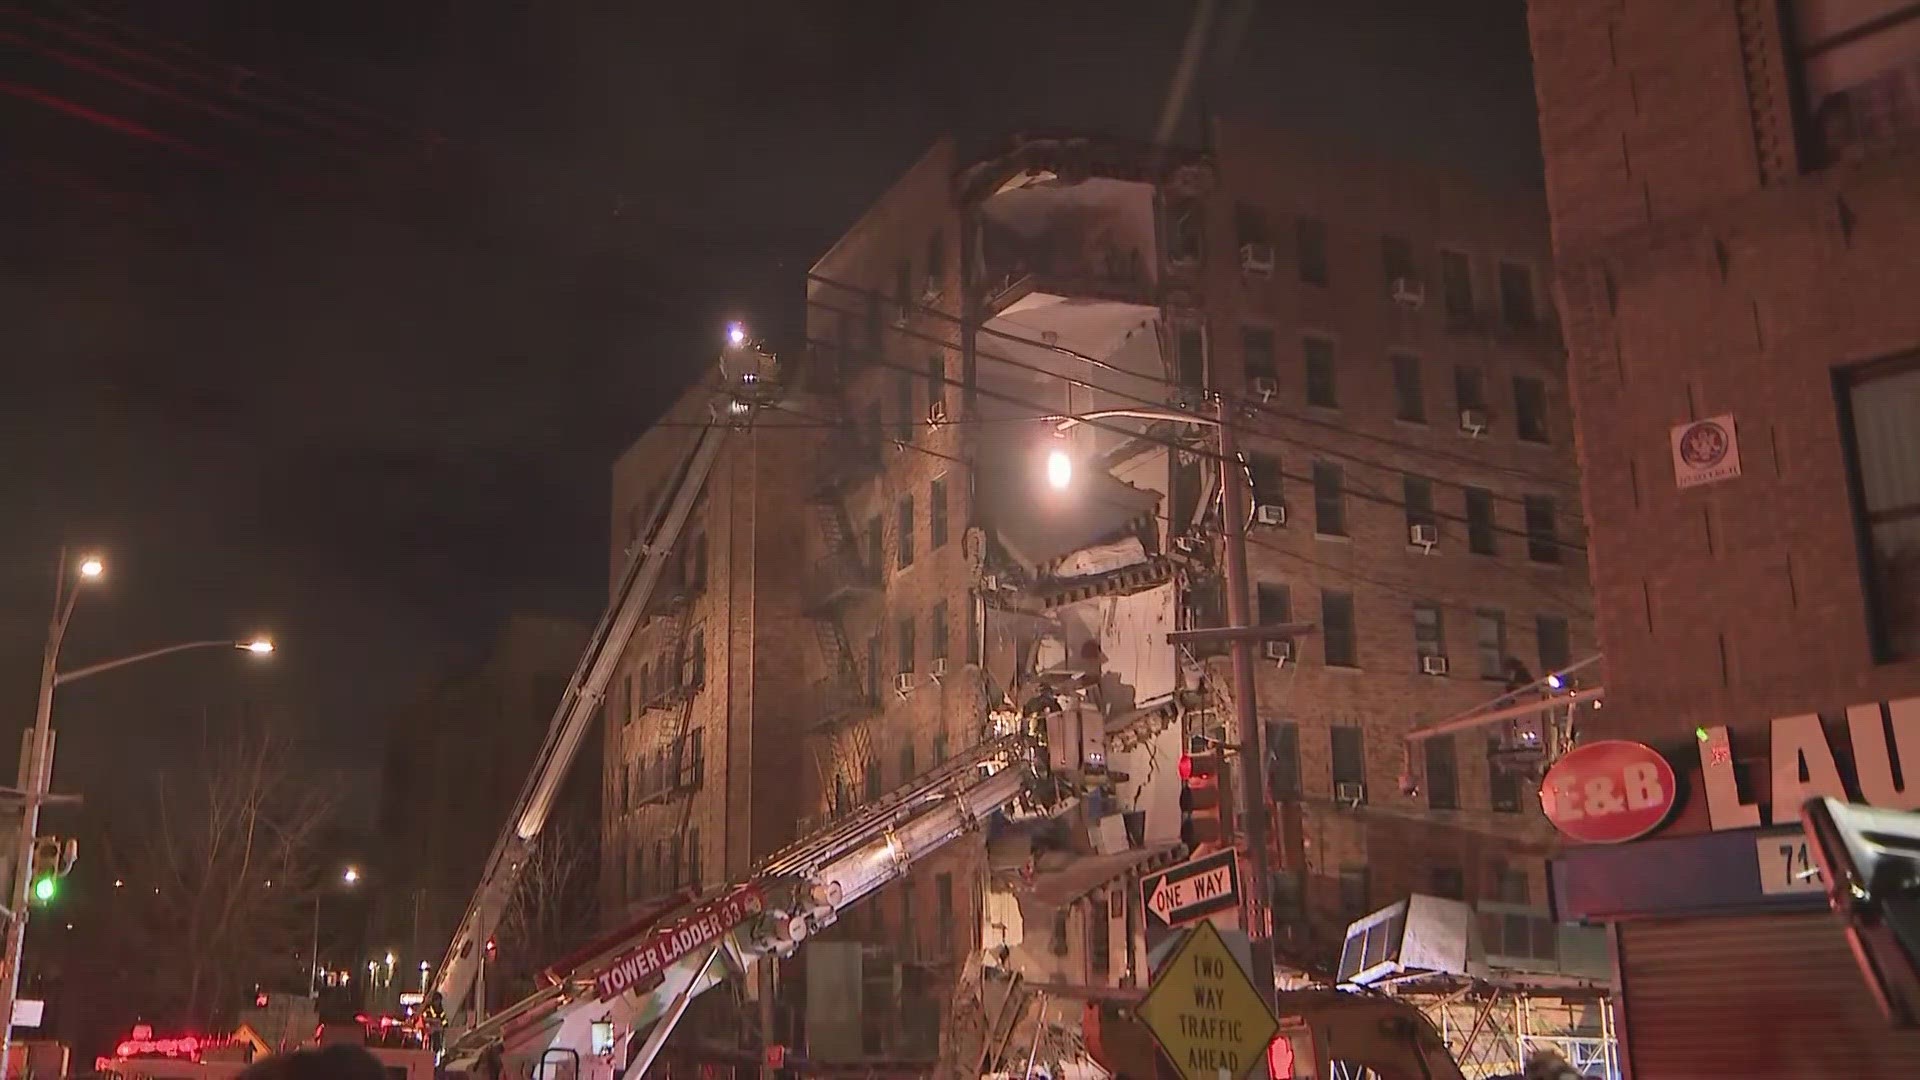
(744, 382)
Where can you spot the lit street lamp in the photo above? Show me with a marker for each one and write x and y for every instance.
(37, 769)
(349, 877)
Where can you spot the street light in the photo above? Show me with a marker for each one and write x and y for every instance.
(349, 877)
(92, 567)
(1059, 470)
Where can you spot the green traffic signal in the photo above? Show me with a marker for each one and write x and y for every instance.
(44, 888)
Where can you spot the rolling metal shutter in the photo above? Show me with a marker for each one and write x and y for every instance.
(1775, 996)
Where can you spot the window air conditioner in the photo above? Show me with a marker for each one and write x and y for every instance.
(1423, 535)
(901, 312)
(1473, 421)
(931, 294)
(936, 414)
(1433, 665)
(1281, 650)
(1351, 792)
(939, 668)
(1409, 292)
(1256, 257)
(1264, 385)
(903, 683)
(1270, 514)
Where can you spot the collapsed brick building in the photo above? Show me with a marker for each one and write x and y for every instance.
(885, 560)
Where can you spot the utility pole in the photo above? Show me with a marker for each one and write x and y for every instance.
(1236, 512)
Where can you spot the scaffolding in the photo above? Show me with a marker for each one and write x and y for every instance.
(1492, 1031)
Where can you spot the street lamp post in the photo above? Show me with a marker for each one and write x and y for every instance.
(350, 876)
(36, 765)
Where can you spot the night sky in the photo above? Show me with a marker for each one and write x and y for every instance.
(375, 423)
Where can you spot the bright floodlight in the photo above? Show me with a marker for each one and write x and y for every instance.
(1059, 469)
(1554, 681)
(352, 875)
(260, 646)
(92, 567)
(736, 334)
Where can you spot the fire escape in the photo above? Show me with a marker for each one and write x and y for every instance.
(676, 769)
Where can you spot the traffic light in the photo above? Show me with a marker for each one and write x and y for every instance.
(1205, 805)
(52, 860)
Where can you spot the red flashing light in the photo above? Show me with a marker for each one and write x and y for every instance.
(1186, 766)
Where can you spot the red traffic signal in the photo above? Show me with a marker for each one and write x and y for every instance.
(1204, 802)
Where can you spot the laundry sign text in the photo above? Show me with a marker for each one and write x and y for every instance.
(1803, 764)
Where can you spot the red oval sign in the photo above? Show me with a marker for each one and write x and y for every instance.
(1608, 792)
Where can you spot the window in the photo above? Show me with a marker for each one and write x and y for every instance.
(1329, 500)
(1349, 756)
(1186, 230)
(936, 258)
(697, 659)
(660, 864)
(903, 281)
(1310, 250)
(1322, 385)
(874, 321)
(937, 638)
(1283, 759)
(903, 402)
(1416, 495)
(1190, 355)
(936, 382)
(1507, 884)
(1396, 258)
(1855, 67)
(1880, 414)
(693, 759)
(1273, 604)
(903, 642)
(940, 749)
(943, 910)
(1456, 288)
(1249, 225)
(1429, 635)
(903, 542)
(1490, 642)
(1447, 882)
(876, 549)
(646, 684)
(677, 846)
(908, 769)
(1556, 651)
(1542, 544)
(1530, 408)
(871, 781)
(1469, 390)
(1503, 787)
(693, 855)
(1409, 399)
(876, 427)
(1256, 351)
(1354, 890)
(1336, 629)
(1443, 774)
(1516, 295)
(937, 514)
(1286, 896)
(873, 668)
(1480, 535)
(1268, 482)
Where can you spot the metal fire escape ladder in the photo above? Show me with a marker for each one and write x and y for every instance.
(575, 712)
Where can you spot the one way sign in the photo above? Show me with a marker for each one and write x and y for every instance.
(1193, 890)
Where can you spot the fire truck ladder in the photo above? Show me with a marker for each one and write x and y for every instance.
(737, 398)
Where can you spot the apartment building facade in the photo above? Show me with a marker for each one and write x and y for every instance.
(1733, 189)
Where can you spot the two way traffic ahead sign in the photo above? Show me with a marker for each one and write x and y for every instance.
(1204, 1011)
(1192, 891)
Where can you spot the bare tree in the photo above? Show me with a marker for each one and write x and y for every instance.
(553, 903)
(223, 872)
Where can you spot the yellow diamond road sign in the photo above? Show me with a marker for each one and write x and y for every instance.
(1205, 1012)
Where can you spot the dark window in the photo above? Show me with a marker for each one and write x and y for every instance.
(1880, 408)
(1186, 232)
(1323, 387)
(875, 320)
(693, 759)
(1490, 644)
(1409, 398)
(1507, 884)
(1336, 629)
(1354, 890)
(908, 770)
(1329, 500)
(903, 281)
(1855, 72)
(1556, 650)
(1190, 355)
(937, 638)
(1310, 249)
(693, 855)
(936, 258)
(1417, 498)
(873, 668)
(943, 910)
(1530, 408)
(1429, 633)
(1269, 487)
(697, 659)
(678, 846)
(903, 640)
(1542, 543)
(1456, 288)
(1503, 787)
(1286, 893)
(697, 562)
(1273, 604)
(646, 684)
(1480, 535)
(1256, 350)
(876, 549)
(940, 748)
(971, 619)
(1249, 224)
(876, 427)
(903, 542)
(1349, 755)
(1469, 389)
(937, 515)
(1448, 882)
(903, 400)
(936, 382)
(1516, 295)
(1396, 259)
(872, 781)
(1283, 759)
(1443, 774)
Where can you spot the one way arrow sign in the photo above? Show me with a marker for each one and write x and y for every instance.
(1193, 890)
